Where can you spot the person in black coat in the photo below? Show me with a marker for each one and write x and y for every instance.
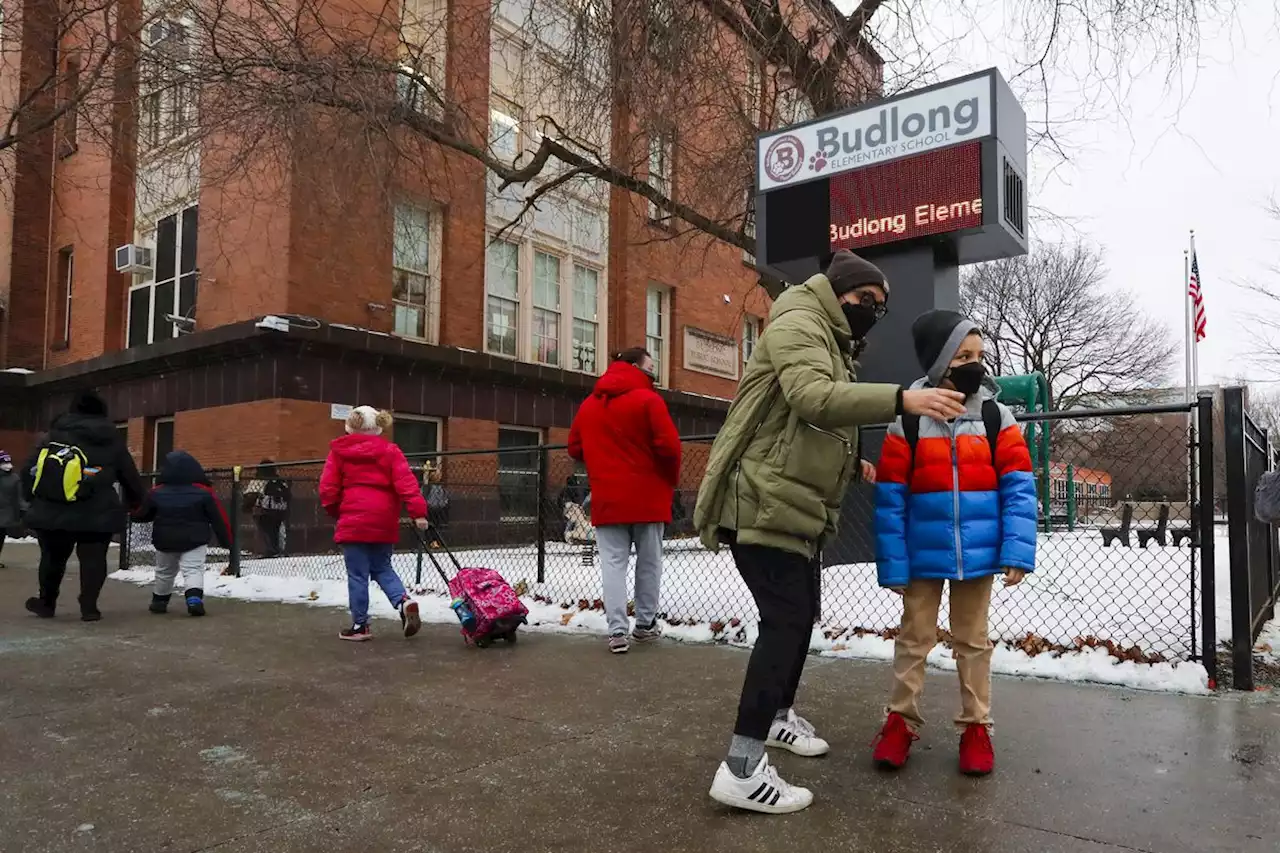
(184, 514)
(86, 525)
(12, 505)
(267, 498)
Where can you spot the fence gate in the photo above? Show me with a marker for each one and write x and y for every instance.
(1255, 577)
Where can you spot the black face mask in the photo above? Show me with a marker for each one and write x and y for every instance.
(861, 319)
(968, 377)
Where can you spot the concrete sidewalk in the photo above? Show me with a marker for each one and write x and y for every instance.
(256, 729)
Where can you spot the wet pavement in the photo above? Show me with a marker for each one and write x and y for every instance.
(256, 729)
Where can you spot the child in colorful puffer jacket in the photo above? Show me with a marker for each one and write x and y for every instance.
(365, 481)
(955, 502)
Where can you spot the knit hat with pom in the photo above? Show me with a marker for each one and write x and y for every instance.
(366, 420)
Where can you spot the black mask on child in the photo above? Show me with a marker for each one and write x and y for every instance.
(968, 377)
(861, 319)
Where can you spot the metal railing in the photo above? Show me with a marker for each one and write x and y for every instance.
(1126, 580)
(1254, 552)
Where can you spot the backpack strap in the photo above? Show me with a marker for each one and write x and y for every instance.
(911, 430)
(992, 417)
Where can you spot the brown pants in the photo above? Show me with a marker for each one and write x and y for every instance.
(970, 603)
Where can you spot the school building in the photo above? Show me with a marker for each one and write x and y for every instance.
(239, 331)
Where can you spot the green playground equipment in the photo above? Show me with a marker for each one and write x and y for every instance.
(1032, 391)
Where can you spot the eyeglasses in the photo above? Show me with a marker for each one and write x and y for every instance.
(866, 300)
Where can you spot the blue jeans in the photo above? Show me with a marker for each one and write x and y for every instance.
(367, 560)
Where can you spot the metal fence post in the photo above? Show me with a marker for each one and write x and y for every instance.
(233, 558)
(125, 539)
(541, 514)
(1238, 541)
(1204, 523)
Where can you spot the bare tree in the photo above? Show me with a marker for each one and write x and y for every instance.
(1051, 311)
(617, 91)
(1263, 328)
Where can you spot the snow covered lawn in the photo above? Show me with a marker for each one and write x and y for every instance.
(1087, 614)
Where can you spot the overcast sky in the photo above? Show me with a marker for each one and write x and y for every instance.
(1154, 158)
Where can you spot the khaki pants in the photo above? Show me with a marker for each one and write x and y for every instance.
(970, 603)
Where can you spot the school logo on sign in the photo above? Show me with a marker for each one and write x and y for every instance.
(784, 158)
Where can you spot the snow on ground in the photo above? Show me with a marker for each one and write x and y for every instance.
(1268, 643)
(1139, 600)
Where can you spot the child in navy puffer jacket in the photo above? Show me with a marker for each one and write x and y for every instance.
(955, 504)
(185, 516)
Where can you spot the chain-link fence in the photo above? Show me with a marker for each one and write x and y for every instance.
(1116, 565)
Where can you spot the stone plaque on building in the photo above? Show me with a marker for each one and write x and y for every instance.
(707, 352)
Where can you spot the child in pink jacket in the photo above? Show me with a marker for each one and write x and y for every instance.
(365, 481)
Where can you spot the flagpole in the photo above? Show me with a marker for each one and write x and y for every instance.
(1188, 331)
(1195, 342)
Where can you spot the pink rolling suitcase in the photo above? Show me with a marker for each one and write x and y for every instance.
(487, 606)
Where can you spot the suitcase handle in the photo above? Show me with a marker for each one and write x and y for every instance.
(426, 547)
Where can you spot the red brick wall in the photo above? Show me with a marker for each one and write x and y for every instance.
(17, 444)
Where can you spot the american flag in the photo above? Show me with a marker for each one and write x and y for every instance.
(1197, 298)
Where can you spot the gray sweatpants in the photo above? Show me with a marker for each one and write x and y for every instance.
(614, 542)
(190, 562)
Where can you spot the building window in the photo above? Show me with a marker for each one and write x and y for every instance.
(504, 130)
(750, 336)
(167, 101)
(122, 428)
(586, 325)
(753, 93)
(540, 295)
(518, 473)
(656, 321)
(161, 441)
(165, 307)
(415, 295)
(502, 278)
(416, 437)
(792, 105)
(749, 229)
(69, 122)
(660, 171)
(65, 287)
(546, 309)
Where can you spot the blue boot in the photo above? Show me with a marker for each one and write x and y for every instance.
(195, 601)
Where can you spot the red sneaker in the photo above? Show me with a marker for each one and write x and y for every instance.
(977, 758)
(893, 744)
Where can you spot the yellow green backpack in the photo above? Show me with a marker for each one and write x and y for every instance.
(60, 473)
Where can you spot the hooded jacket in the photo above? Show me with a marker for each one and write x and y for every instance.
(365, 481)
(780, 465)
(624, 434)
(99, 510)
(12, 504)
(184, 511)
(946, 512)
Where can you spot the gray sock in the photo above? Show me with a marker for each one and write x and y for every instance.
(744, 756)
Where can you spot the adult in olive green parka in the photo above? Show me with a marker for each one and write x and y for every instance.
(772, 491)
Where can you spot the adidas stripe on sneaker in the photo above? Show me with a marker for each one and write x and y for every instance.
(795, 734)
(763, 791)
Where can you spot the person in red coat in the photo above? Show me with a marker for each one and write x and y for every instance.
(365, 481)
(625, 436)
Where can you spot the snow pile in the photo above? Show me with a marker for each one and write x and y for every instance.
(1268, 644)
(1135, 603)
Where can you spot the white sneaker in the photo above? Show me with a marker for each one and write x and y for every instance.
(796, 734)
(763, 792)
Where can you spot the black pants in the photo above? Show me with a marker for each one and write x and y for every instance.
(56, 547)
(269, 528)
(785, 587)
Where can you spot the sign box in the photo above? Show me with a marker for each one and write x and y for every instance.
(943, 165)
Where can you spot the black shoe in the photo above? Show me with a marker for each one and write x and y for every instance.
(356, 633)
(159, 603)
(39, 608)
(90, 616)
(195, 602)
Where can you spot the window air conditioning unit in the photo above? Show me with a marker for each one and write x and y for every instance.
(134, 259)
